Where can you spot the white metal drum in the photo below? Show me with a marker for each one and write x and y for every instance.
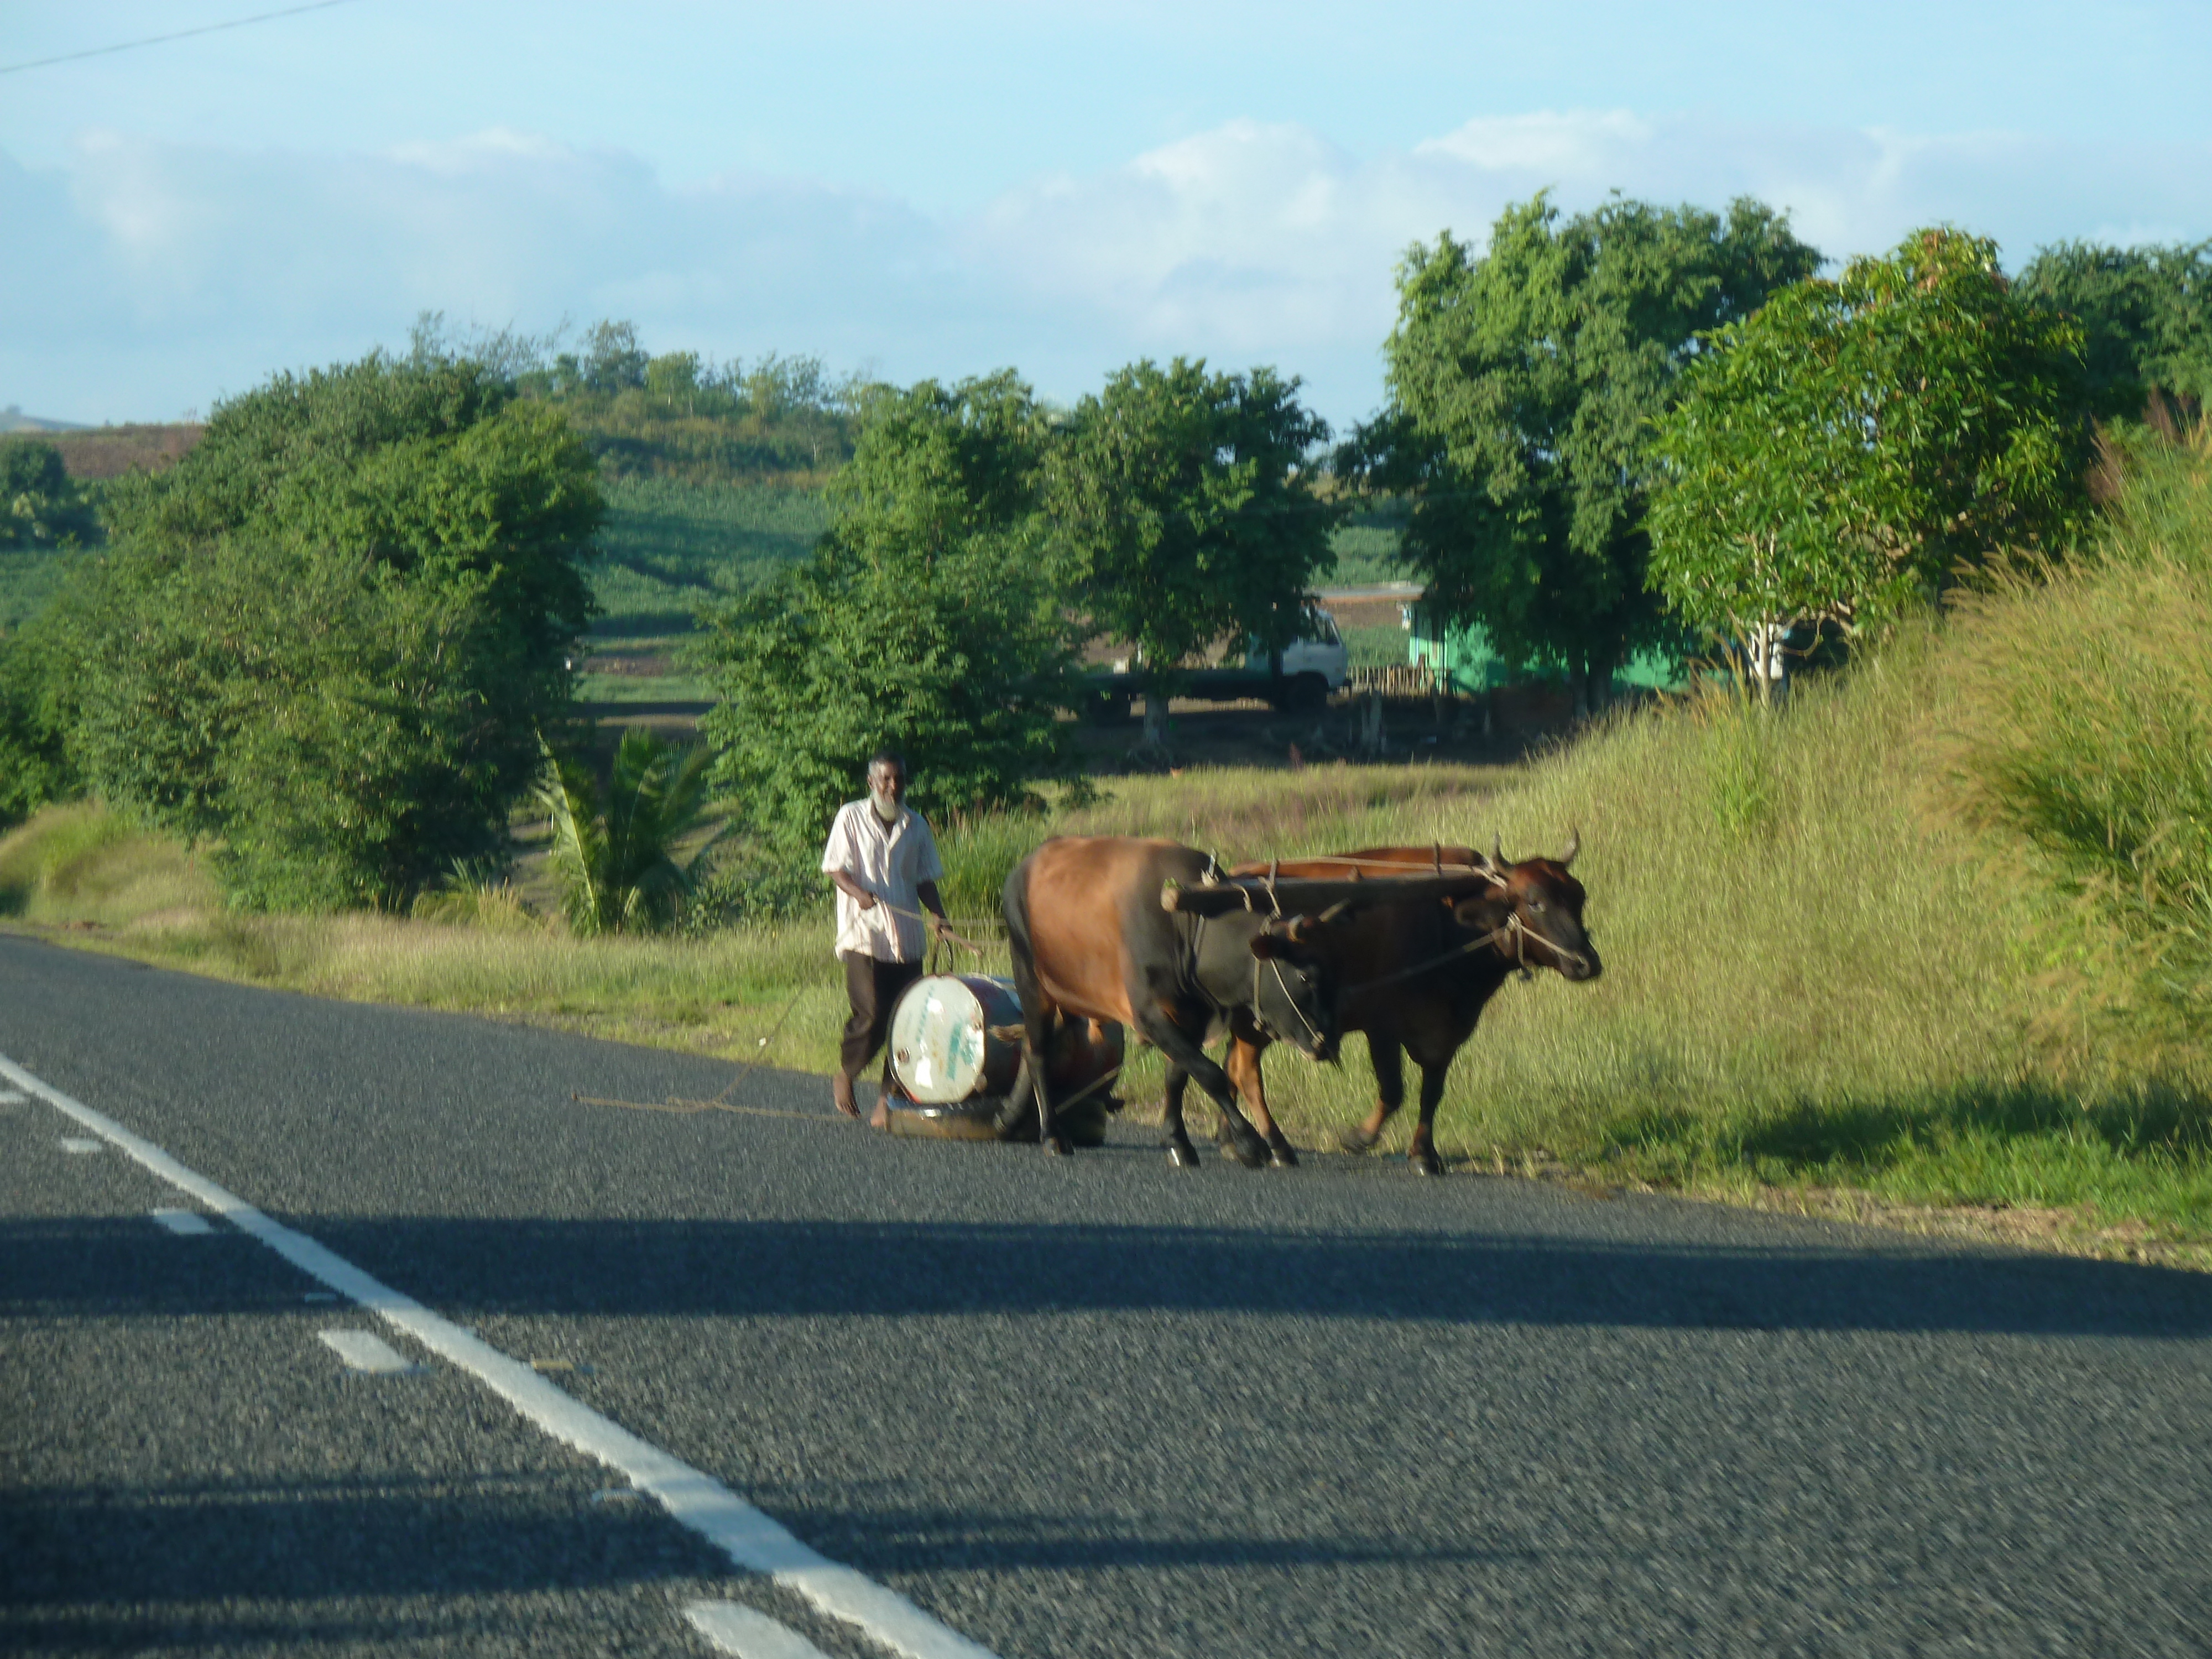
(943, 1044)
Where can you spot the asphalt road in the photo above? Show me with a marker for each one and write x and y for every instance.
(1098, 1406)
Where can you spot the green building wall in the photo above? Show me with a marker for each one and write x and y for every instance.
(1470, 667)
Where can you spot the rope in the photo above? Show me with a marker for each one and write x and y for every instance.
(1287, 997)
(721, 1102)
(970, 921)
(676, 1106)
(1512, 928)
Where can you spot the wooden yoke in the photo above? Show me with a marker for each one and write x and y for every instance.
(1309, 895)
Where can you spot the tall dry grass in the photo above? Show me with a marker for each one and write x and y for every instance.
(83, 863)
(2076, 728)
(1823, 965)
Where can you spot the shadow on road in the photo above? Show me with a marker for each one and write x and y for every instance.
(283, 1563)
(769, 1269)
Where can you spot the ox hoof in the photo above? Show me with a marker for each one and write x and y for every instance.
(1356, 1141)
(1182, 1155)
(1281, 1155)
(1424, 1160)
(1247, 1149)
(1055, 1146)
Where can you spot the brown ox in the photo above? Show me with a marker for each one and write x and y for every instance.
(1415, 978)
(1090, 941)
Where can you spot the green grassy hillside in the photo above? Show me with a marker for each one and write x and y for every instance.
(1366, 547)
(669, 545)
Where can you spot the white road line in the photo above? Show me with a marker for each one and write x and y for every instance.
(79, 1144)
(14, 1097)
(733, 1628)
(748, 1537)
(365, 1351)
(186, 1224)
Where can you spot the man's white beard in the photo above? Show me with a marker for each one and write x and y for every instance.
(887, 807)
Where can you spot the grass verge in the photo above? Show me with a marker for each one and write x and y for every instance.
(1932, 943)
(1809, 1001)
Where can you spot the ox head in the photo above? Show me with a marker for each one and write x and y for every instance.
(1539, 907)
(1294, 981)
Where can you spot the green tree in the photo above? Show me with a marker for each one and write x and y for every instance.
(35, 767)
(41, 505)
(616, 856)
(327, 638)
(613, 359)
(2145, 315)
(1844, 451)
(927, 619)
(1183, 506)
(1522, 385)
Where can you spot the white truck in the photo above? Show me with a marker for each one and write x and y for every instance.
(1308, 669)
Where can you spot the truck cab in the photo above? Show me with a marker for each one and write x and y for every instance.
(1313, 665)
(1318, 650)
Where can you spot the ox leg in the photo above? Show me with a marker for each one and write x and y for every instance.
(1182, 1050)
(1244, 1052)
(1180, 1153)
(1421, 1151)
(1037, 1016)
(1388, 1060)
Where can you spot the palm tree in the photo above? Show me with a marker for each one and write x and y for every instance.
(616, 865)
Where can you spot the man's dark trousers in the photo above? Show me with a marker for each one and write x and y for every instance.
(872, 986)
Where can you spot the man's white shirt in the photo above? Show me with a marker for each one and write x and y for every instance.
(890, 861)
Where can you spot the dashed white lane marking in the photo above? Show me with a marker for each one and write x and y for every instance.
(186, 1224)
(365, 1351)
(694, 1497)
(14, 1097)
(79, 1144)
(733, 1628)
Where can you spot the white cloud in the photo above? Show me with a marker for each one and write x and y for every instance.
(1552, 143)
(144, 277)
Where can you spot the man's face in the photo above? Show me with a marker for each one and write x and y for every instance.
(886, 782)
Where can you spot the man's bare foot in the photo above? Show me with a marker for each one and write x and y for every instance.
(841, 1092)
(881, 1117)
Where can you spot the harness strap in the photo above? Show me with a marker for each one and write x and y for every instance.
(1513, 930)
(1285, 986)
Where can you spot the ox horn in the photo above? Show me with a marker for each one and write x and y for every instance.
(1574, 846)
(1334, 914)
(1496, 852)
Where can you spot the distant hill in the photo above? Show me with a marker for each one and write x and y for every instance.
(12, 419)
(109, 452)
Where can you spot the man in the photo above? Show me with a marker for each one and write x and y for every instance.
(882, 861)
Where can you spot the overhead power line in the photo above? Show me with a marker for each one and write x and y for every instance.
(180, 35)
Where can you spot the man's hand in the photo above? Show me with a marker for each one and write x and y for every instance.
(851, 890)
(938, 926)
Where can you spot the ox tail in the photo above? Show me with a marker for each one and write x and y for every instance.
(1037, 1017)
(1016, 903)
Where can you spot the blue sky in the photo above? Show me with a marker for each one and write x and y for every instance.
(918, 190)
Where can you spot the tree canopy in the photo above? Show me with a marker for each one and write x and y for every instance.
(927, 619)
(40, 506)
(1184, 509)
(1845, 449)
(2145, 315)
(1523, 383)
(328, 638)
(675, 415)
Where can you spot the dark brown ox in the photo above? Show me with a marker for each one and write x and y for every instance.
(1415, 978)
(1090, 941)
